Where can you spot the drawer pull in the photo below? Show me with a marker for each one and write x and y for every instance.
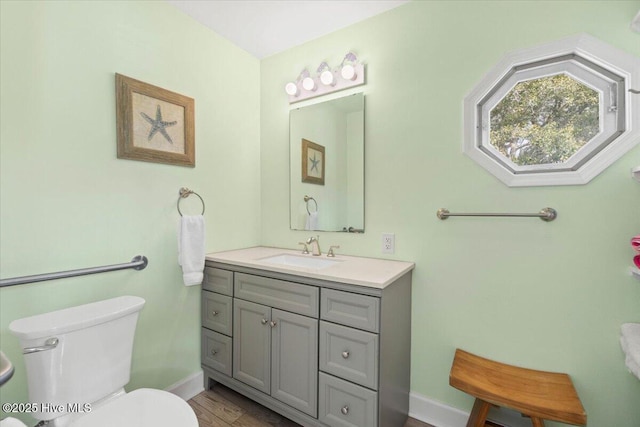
(214, 313)
(273, 324)
(345, 354)
(264, 321)
(344, 410)
(214, 352)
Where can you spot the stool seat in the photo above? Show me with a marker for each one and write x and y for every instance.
(536, 394)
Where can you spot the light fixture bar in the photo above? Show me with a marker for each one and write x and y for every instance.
(349, 74)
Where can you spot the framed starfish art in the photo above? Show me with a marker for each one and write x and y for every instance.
(312, 162)
(154, 124)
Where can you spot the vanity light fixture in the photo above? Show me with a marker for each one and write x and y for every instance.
(326, 75)
(348, 69)
(309, 84)
(349, 74)
(293, 88)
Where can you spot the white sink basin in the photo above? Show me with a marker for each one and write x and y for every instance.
(304, 261)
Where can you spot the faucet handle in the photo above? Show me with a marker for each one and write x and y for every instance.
(330, 253)
(305, 250)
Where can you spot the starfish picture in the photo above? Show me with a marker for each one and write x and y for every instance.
(158, 125)
(314, 163)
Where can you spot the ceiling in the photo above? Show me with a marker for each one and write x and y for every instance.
(266, 27)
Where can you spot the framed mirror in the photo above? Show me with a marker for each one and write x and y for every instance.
(326, 174)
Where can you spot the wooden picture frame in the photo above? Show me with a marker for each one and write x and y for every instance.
(154, 124)
(313, 161)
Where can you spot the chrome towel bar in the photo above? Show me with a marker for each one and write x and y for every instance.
(137, 263)
(184, 193)
(546, 214)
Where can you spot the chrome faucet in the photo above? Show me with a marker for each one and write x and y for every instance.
(315, 245)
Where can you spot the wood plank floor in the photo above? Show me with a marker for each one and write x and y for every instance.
(223, 407)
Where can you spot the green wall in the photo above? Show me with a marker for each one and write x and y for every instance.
(67, 202)
(544, 295)
(547, 296)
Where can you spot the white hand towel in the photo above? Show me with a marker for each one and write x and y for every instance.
(630, 342)
(191, 235)
(312, 221)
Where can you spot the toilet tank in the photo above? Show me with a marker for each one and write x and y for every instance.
(91, 360)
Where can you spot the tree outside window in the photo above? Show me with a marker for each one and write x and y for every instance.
(545, 120)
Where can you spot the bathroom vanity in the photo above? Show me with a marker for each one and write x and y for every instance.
(322, 341)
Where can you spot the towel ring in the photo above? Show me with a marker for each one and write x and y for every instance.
(184, 193)
(306, 199)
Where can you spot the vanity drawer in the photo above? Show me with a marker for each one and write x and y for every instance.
(349, 353)
(342, 404)
(217, 312)
(289, 296)
(216, 351)
(359, 311)
(218, 280)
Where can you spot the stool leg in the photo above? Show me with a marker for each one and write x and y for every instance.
(479, 413)
(537, 422)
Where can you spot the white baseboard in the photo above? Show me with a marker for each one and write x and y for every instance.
(435, 413)
(438, 414)
(188, 387)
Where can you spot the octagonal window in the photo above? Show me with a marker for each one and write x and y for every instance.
(553, 115)
(544, 121)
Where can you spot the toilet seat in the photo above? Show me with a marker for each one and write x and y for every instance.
(143, 407)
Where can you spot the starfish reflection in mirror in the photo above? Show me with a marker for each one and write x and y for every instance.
(158, 125)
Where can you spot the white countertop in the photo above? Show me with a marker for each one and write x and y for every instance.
(370, 272)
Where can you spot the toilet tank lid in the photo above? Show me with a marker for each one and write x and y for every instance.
(74, 318)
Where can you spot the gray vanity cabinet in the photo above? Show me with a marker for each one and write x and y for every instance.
(322, 353)
(252, 344)
(294, 360)
(276, 351)
(217, 319)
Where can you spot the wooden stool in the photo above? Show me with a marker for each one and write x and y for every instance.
(537, 394)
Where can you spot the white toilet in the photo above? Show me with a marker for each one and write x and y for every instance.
(82, 356)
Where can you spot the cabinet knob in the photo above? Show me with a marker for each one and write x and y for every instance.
(264, 321)
(345, 354)
(214, 352)
(345, 410)
(214, 313)
(273, 324)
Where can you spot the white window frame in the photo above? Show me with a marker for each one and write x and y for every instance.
(601, 67)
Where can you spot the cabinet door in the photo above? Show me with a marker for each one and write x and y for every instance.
(294, 363)
(252, 344)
